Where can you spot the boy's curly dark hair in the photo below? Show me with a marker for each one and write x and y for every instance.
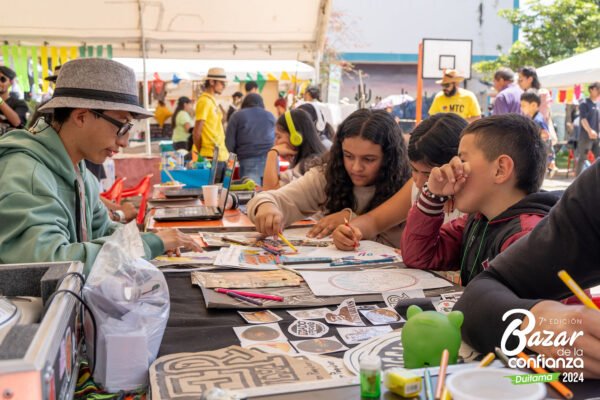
(380, 128)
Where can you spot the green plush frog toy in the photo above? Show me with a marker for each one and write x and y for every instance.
(427, 333)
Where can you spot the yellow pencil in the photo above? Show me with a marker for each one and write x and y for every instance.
(577, 291)
(487, 360)
(287, 242)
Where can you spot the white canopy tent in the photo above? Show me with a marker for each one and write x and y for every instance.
(266, 30)
(197, 69)
(582, 68)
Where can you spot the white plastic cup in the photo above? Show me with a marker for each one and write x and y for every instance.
(211, 195)
(491, 384)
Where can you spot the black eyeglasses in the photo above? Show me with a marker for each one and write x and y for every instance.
(446, 85)
(3, 79)
(124, 127)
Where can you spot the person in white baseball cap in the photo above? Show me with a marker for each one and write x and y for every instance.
(49, 203)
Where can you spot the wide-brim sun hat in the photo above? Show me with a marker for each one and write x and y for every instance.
(451, 76)
(216, 74)
(99, 84)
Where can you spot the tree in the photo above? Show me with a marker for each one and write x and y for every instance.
(550, 33)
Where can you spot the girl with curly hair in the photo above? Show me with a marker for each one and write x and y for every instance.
(302, 158)
(432, 143)
(367, 164)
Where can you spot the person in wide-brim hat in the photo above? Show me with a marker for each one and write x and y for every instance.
(451, 76)
(50, 205)
(216, 74)
(96, 83)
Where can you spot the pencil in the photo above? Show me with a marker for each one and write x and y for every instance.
(446, 394)
(442, 374)
(290, 269)
(557, 385)
(287, 242)
(487, 360)
(428, 385)
(501, 356)
(576, 289)
(353, 236)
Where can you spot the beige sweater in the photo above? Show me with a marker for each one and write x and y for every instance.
(305, 197)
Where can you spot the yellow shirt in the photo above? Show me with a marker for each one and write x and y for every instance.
(213, 133)
(462, 103)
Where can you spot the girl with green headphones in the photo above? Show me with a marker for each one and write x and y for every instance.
(296, 141)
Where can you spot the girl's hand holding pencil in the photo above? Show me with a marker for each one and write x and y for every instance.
(326, 225)
(269, 220)
(347, 237)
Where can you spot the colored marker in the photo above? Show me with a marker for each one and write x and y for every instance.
(557, 385)
(442, 374)
(270, 250)
(361, 262)
(244, 298)
(251, 294)
(576, 289)
(287, 242)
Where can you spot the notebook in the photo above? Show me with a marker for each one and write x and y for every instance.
(199, 213)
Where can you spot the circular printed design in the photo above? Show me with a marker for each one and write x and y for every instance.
(382, 316)
(260, 333)
(319, 346)
(368, 280)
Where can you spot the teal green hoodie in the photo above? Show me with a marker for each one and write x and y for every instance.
(37, 203)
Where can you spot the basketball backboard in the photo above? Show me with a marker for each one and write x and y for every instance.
(440, 54)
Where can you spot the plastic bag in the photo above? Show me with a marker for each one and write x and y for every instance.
(129, 298)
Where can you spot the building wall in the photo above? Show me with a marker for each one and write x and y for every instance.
(382, 38)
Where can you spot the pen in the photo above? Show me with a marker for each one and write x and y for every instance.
(442, 374)
(576, 289)
(287, 242)
(244, 298)
(251, 294)
(428, 385)
(557, 385)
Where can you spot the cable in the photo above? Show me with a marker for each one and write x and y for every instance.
(62, 278)
(49, 302)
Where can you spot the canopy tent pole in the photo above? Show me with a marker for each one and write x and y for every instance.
(145, 85)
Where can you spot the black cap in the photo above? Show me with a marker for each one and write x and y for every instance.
(9, 73)
(53, 78)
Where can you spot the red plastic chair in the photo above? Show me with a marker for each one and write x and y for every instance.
(115, 192)
(142, 189)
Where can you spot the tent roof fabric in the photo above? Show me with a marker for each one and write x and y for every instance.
(223, 29)
(581, 68)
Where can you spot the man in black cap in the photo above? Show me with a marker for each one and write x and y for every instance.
(13, 112)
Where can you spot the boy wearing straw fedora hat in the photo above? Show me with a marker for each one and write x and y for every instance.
(454, 99)
(208, 129)
(50, 207)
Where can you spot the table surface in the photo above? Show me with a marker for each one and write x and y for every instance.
(193, 328)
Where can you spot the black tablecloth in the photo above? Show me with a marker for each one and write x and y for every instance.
(192, 327)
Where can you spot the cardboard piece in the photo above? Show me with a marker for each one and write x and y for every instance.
(319, 346)
(259, 317)
(345, 314)
(382, 316)
(359, 334)
(189, 375)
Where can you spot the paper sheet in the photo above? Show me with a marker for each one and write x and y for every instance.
(340, 283)
(243, 257)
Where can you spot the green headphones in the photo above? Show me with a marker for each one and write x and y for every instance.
(295, 136)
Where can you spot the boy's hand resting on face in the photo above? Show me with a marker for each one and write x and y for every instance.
(346, 237)
(450, 178)
(326, 225)
(173, 240)
(268, 219)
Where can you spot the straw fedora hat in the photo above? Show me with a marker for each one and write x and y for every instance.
(96, 83)
(451, 76)
(216, 74)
